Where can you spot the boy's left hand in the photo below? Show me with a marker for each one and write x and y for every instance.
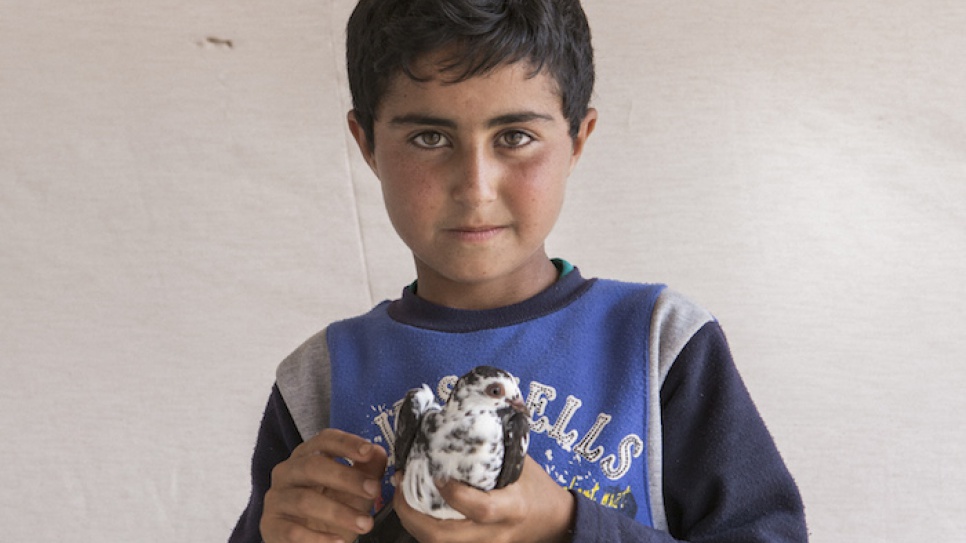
(533, 509)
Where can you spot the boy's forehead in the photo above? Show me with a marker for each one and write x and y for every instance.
(510, 86)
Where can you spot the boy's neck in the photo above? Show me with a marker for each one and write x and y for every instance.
(523, 284)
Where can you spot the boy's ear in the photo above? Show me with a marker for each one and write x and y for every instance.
(586, 129)
(359, 134)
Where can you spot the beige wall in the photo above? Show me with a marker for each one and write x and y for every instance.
(178, 214)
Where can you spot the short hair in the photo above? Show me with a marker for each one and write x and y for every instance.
(386, 37)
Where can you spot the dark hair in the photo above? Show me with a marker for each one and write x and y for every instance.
(385, 37)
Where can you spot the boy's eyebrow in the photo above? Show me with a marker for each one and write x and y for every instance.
(422, 120)
(501, 120)
(517, 118)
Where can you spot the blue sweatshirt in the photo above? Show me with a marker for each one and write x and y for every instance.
(636, 406)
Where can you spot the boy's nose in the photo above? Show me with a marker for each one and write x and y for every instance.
(475, 178)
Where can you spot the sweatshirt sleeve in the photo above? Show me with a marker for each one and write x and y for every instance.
(277, 438)
(724, 480)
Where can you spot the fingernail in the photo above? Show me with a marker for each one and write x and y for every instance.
(363, 523)
(365, 449)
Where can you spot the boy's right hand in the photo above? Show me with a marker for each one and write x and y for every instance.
(314, 497)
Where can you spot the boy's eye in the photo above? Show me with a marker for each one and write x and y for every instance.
(430, 140)
(514, 138)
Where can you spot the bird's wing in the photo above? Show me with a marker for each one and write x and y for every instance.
(414, 406)
(516, 437)
(386, 526)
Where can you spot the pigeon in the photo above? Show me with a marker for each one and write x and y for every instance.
(479, 437)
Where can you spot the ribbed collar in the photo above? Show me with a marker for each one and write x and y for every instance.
(415, 311)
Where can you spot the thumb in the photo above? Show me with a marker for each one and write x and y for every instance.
(475, 504)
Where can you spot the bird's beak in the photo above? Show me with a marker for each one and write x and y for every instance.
(520, 407)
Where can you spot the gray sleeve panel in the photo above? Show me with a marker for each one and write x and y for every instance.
(304, 379)
(674, 322)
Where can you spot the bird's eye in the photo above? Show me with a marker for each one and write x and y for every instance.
(495, 390)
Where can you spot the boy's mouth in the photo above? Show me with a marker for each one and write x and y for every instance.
(476, 233)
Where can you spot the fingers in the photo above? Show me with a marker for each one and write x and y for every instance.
(483, 507)
(314, 464)
(506, 505)
(338, 444)
(316, 496)
(298, 514)
(426, 528)
(533, 508)
(323, 472)
(431, 530)
(375, 466)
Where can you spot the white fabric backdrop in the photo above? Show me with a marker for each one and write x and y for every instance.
(181, 206)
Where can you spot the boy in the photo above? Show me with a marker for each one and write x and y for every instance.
(472, 114)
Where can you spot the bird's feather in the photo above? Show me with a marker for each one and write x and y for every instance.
(416, 404)
(516, 436)
(479, 437)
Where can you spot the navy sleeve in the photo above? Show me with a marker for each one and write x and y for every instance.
(596, 523)
(724, 480)
(277, 438)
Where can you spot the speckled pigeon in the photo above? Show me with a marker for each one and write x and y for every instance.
(479, 437)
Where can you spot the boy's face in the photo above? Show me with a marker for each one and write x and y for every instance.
(473, 176)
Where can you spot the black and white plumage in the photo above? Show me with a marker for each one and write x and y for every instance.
(479, 437)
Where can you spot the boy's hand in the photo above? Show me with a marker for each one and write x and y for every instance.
(533, 509)
(316, 498)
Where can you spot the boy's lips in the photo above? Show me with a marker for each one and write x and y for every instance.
(476, 233)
